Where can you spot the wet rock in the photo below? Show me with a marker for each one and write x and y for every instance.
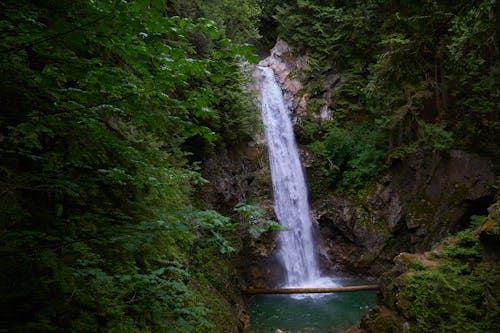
(284, 63)
(418, 203)
(288, 67)
(235, 176)
(353, 235)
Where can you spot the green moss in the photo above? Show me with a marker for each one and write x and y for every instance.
(422, 210)
(216, 287)
(384, 321)
(451, 299)
(368, 192)
(491, 224)
(318, 184)
(458, 295)
(452, 289)
(418, 265)
(381, 226)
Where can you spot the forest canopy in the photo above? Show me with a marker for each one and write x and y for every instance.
(415, 76)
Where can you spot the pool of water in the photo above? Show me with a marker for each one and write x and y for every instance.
(330, 313)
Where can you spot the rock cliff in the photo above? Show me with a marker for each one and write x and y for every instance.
(453, 288)
(241, 175)
(416, 203)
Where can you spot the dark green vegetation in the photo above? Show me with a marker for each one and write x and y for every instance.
(106, 107)
(461, 294)
(415, 75)
(109, 105)
(453, 288)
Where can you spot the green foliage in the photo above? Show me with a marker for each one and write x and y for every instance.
(351, 158)
(437, 138)
(473, 70)
(102, 101)
(477, 220)
(267, 24)
(432, 137)
(255, 222)
(238, 20)
(423, 75)
(418, 265)
(328, 32)
(212, 223)
(459, 295)
(449, 300)
(465, 247)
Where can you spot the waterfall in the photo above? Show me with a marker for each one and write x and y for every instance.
(296, 249)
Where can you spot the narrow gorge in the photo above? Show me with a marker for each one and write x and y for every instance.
(161, 159)
(409, 208)
(360, 235)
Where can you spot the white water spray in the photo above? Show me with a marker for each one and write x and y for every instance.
(296, 248)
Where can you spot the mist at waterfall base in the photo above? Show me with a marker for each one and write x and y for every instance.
(296, 251)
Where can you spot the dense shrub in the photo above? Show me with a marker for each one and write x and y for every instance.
(100, 100)
(421, 75)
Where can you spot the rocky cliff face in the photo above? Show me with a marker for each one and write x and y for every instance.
(453, 288)
(286, 67)
(233, 175)
(242, 175)
(417, 203)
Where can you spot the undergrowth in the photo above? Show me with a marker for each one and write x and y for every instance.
(461, 294)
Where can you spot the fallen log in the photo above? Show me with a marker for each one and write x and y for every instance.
(310, 290)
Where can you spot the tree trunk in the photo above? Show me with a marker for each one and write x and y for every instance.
(311, 290)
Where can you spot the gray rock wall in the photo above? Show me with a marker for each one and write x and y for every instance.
(418, 203)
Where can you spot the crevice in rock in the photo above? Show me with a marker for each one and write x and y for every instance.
(475, 207)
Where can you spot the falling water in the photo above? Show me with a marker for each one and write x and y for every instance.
(302, 312)
(296, 249)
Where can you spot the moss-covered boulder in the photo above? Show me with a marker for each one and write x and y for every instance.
(453, 288)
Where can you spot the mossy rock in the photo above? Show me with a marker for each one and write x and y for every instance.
(421, 212)
(382, 319)
(491, 225)
(489, 234)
